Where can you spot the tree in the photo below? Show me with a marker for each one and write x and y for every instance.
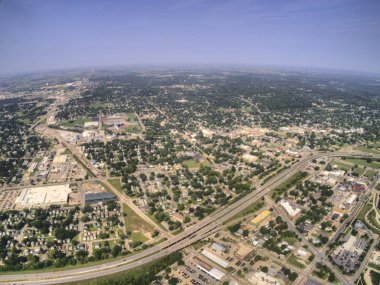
(293, 276)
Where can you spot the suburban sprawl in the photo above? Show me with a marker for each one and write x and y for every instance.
(190, 176)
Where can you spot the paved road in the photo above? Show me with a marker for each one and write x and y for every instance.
(318, 255)
(363, 200)
(55, 134)
(191, 235)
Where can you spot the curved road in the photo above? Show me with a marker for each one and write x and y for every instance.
(194, 233)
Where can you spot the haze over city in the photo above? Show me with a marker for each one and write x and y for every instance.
(44, 35)
(190, 142)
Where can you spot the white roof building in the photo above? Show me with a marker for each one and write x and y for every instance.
(261, 278)
(39, 196)
(292, 212)
(215, 258)
(93, 124)
(351, 199)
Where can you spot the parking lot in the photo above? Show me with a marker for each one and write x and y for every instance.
(191, 274)
(7, 199)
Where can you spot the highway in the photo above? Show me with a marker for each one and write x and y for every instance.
(191, 235)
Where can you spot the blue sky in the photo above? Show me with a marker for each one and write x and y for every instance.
(52, 34)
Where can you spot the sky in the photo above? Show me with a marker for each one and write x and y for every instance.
(56, 34)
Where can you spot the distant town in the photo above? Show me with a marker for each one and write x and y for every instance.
(195, 176)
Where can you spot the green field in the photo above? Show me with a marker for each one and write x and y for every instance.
(363, 212)
(255, 206)
(134, 222)
(290, 240)
(370, 174)
(131, 116)
(341, 165)
(138, 236)
(294, 260)
(132, 129)
(372, 219)
(288, 183)
(359, 171)
(99, 105)
(373, 223)
(363, 162)
(76, 123)
(192, 163)
(115, 182)
(366, 149)
(144, 274)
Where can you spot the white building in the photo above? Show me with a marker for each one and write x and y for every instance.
(261, 278)
(215, 258)
(42, 196)
(292, 212)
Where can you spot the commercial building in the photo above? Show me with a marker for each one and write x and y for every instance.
(96, 197)
(217, 247)
(292, 211)
(40, 196)
(243, 251)
(218, 260)
(351, 200)
(210, 270)
(261, 278)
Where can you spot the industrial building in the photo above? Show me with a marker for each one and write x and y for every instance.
(205, 267)
(46, 195)
(292, 211)
(96, 197)
(218, 260)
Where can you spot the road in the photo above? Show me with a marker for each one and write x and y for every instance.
(318, 255)
(191, 235)
(80, 156)
(354, 212)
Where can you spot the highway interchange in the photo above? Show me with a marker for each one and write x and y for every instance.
(199, 231)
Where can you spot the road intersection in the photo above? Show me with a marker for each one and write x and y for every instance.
(191, 235)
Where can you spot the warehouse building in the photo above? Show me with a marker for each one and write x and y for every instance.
(42, 196)
(218, 260)
(96, 197)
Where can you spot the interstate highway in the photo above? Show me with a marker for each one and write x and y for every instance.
(191, 235)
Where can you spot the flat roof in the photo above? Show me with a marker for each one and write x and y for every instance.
(55, 194)
(218, 260)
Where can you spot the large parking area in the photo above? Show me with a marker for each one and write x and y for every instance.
(7, 199)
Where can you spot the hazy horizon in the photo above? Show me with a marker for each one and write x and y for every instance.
(42, 35)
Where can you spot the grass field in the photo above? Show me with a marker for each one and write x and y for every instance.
(370, 174)
(132, 129)
(131, 116)
(341, 165)
(76, 123)
(97, 105)
(138, 236)
(294, 260)
(134, 222)
(359, 171)
(363, 162)
(372, 219)
(363, 212)
(115, 182)
(366, 149)
(255, 206)
(192, 163)
(136, 275)
(289, 183)
(290, 240)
